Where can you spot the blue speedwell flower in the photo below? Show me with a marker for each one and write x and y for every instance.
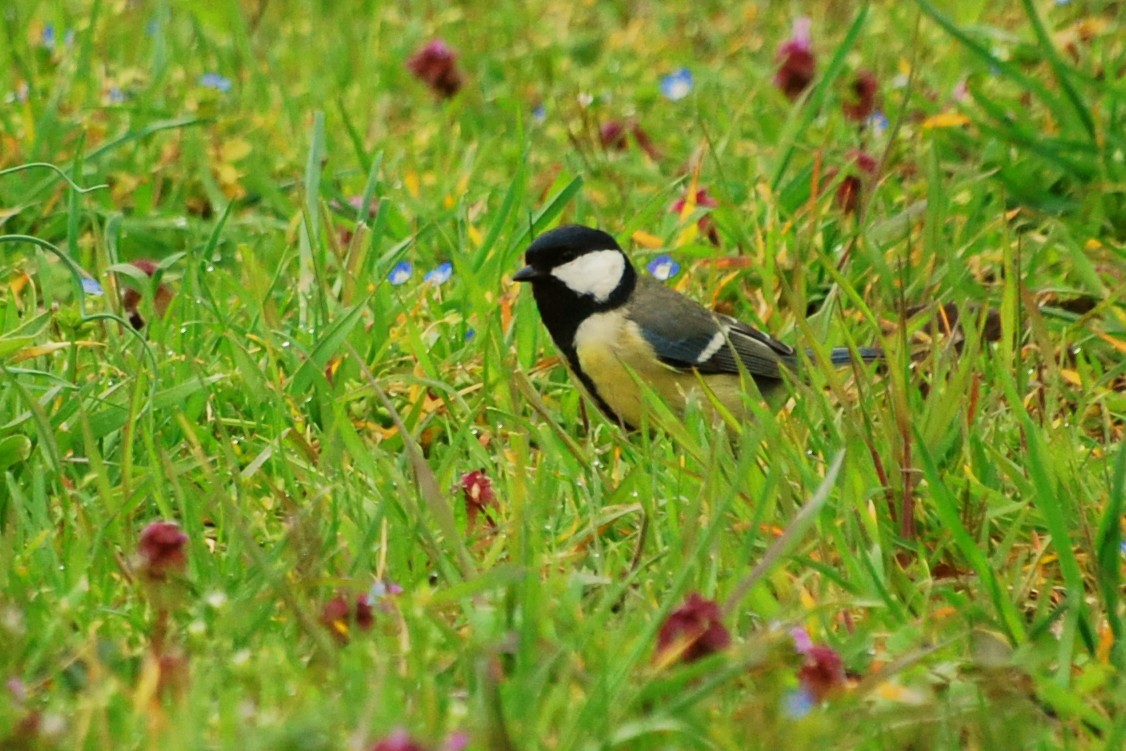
(215, 81)
(878, 123)
(663, 267)
(677, 85)
(539, 113)
(441, 273)
(381, 590)
(49, 36)
(797, 704)
(401, 273)
(91, 287)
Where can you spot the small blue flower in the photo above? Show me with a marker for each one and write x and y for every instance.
(1122, 547)
(115, 95)
(91, 287)
(677, 85)
(797, 704)
(877, 123)
(215, 81)
(440, 274)
(470, 334)
(401, 273)
(48, 38)
(381, 590)
(539, 113)
(663, 267)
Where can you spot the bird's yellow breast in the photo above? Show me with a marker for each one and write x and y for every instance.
(616, 357)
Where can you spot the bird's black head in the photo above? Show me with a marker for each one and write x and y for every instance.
(575, 271)
(577, 262)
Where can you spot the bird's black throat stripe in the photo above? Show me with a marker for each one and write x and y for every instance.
(562, 312)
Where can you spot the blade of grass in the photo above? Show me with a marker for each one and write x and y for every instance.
(1108, 553)
(786, 541)
(947, 509)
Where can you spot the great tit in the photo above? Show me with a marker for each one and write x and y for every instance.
(616, 328)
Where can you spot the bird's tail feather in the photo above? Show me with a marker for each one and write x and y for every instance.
(843, 355)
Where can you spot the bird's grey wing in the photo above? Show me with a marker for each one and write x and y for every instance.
(687, 336)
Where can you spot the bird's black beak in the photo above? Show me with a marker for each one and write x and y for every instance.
(526, 274)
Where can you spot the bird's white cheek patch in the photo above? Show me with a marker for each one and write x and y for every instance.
(596, 274)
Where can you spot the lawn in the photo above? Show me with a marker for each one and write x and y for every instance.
(289, 461)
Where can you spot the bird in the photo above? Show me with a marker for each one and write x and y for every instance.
(617, 329)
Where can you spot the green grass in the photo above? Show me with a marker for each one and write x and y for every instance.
(951, 526)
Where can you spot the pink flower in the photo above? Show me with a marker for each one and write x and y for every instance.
(822, 673)
(692, 631)
(802, 642)
(863, 102)
(612, 134)
(399, 740)
(435, 64)
(162, 549)
(338, 615)
(703, 200)
(458, 741)
(796, 61)
(335, 615)
(851, 188)
(477, 492)
(365, 615)
(705, 223)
